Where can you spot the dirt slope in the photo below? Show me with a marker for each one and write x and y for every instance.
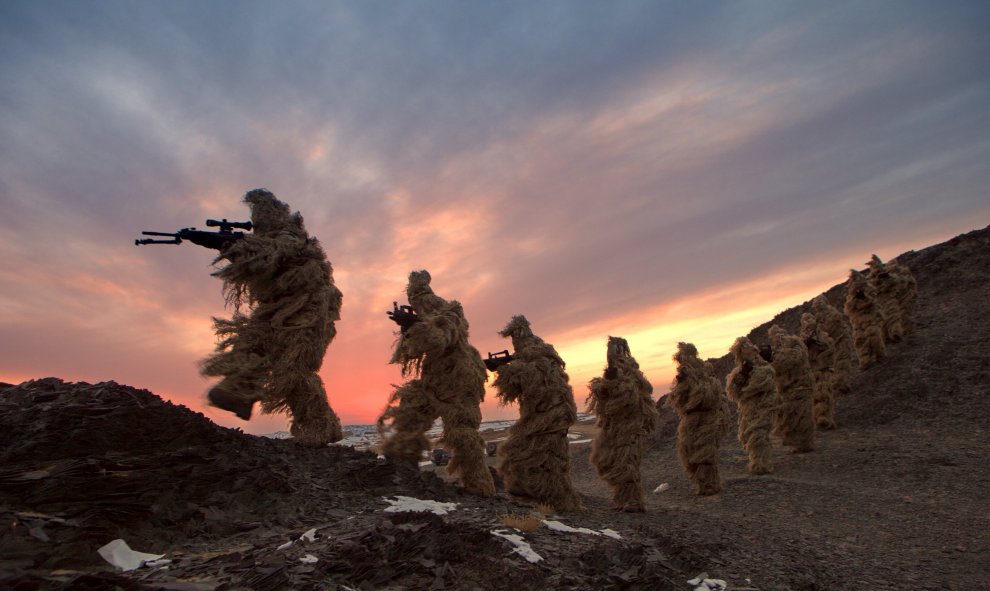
(893, 499)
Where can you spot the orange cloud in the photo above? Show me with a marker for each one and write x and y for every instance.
(710, 319)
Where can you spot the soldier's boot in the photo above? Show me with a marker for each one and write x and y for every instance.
(759, 461)
(224, 399)
(405, 446)
(707, 479)
(628, 497)
(826, 422)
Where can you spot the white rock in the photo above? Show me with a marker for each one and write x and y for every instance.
(119, 554)
(309, 535)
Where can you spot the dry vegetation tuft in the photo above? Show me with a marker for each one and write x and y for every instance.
(544, 509)
(531, 522)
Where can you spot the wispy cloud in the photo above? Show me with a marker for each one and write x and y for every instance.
(663, 171)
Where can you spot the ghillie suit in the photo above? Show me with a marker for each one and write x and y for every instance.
(449, 382)
(907, 294)
(700, 401)
(887, 287)
(273, 352)
(621, 400)
(534, 460)
(821, 356)
(866, 318)
(836, 325)
(795, 422)
(751, 385)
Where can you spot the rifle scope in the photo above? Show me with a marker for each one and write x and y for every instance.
(224, 224)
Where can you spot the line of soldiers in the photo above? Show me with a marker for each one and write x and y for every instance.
(447, 381)
(280, 284)
(789, 390)
(272, 355)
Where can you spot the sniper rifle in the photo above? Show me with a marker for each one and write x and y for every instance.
(216, 240)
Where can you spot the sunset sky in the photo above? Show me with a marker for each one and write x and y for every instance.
(662, 171)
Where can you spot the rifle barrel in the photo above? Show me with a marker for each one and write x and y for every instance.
(175, 240)
(172, 234)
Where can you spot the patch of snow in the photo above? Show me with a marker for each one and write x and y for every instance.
(358, 442)
(119, 554)
(497, 425)
(703, 583)
(558, 526)
(279, 435)
(365, 437)
(409, 504)
(307, 536)
(521, 546)
(661, 488)
(309, 559)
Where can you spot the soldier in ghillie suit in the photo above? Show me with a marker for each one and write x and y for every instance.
(821, 356)
(272, 353)
(751, 385)
(866, 318)
(621, 400)
(887, 287)
(700, 401)
(836, 325)
(534, 460)
(448, 382)
(795, 422)
(907, 294)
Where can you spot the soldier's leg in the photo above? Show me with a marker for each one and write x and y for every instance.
(825, 400)
(296, 387)
(628, 496)
(760, 461)
(759, 446)
(844, 352)
(619, 468)
(411, 418)
(242, 361)
(507, 458)
(801, 431)
(314, 423)
(467, 461)
(702, 463)
(625, 479)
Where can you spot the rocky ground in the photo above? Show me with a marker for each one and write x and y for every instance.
(895, 498)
